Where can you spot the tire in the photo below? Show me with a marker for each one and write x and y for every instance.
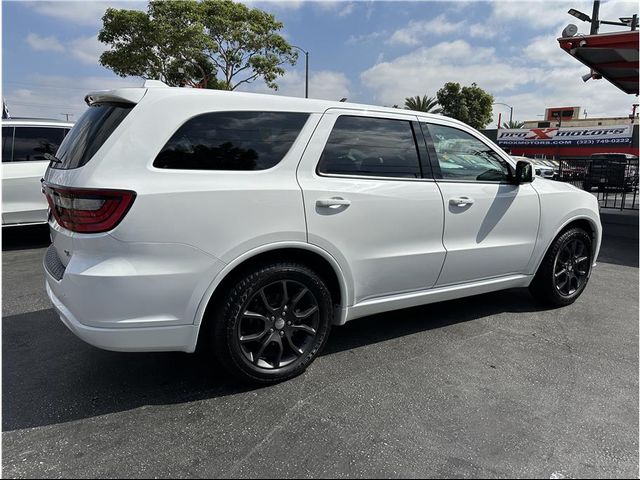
(548, 285)
(262, 327)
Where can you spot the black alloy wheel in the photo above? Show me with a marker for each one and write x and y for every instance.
(278, 325)
(571, 267)
(565, 269)
(272, 322)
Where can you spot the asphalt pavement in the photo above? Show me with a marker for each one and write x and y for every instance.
(488, 386)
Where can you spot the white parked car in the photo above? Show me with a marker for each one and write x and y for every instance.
(25, 141)
(258, 222)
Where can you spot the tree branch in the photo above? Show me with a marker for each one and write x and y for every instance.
(246, 80)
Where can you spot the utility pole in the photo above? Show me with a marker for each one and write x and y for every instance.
(595, 17)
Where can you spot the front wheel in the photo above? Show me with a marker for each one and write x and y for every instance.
(565, 269)
(273, 323)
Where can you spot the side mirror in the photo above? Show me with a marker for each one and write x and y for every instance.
(524, 172)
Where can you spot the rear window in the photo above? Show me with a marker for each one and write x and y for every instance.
(231, 141)
(89, 133)
(31, 143)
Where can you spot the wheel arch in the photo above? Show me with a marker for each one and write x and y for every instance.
(316, 258)
(586, 222)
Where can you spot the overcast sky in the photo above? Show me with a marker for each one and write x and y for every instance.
(369, 51)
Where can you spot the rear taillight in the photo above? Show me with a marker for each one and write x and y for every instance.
(88, 210)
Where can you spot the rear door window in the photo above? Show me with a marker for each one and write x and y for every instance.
(7, 143)
(89, 133)
(31, 143)
(366, 146)
(232, 141)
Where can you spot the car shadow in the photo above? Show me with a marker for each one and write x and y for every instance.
(50, 376)
(505, 196)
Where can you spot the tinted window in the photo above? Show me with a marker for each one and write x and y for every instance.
(31, 143)
(372, 147)
(89, 133)
(461, 156)
(232, 141)
(7, 143)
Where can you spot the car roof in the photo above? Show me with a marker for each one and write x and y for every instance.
(261, 100)
(36, 122)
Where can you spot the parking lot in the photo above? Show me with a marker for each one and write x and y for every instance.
(490, 386)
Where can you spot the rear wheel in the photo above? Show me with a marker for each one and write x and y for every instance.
(273, 323)
(565, 269)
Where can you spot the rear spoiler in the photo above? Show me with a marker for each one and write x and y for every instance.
(122, 95)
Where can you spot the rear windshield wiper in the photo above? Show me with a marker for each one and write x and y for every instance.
(51, 158)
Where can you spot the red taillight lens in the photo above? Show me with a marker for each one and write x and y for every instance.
(88, 210)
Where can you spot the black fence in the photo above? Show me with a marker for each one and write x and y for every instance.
(613, 180)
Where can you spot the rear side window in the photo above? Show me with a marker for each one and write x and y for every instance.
(89, 133)
(371, 147)
(31, 143)
(7, 143)
(231, 141)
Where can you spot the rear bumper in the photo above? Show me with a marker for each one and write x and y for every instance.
(149, 339)
(126, 296)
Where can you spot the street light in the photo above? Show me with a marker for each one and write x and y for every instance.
(595, 21)
(579, 15)
(306, 70)
(510, 110)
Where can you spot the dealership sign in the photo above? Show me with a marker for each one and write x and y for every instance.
(553, 136)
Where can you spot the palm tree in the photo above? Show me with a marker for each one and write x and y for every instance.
(424, 104)
(512, 124)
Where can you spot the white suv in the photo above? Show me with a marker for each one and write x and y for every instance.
(257, 222)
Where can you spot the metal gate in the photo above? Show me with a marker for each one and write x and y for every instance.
(612, 178)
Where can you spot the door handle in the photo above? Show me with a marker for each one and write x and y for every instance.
(461, 201)
(335, 202)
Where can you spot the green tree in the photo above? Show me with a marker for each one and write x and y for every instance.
(422, 104)
(244, 43)
(192, 42)
(471, 105)
(512, 124)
